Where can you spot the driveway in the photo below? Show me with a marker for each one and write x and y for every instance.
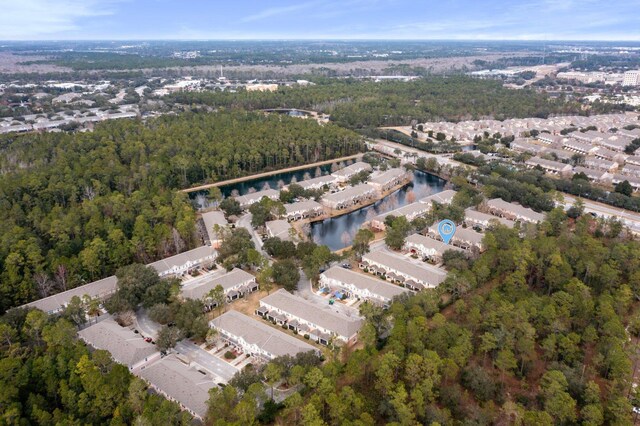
(145, 325)
(305, 291)
(214, 365)
(245, 222)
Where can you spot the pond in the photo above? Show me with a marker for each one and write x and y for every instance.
(337, 233)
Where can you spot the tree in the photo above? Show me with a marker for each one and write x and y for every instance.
(167, 338)
(397, 233)
(285, 273)
(216, 297)
(624, 188)
(273, 374)
(214, 195)
(361, 241)
(234, 248)
(189, 318)
(160, 313)
(230, 207)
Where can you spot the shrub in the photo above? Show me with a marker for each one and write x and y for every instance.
(229, 355)
(306, 336)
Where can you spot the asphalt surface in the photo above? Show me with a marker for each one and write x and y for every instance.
(306, 292)
(214, 365)
(628, 218)
(245, 222)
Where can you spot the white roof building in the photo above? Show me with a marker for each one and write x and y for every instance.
(344, 174)
(323, 323)
(388, 179)
(360, 285)
(212, 220)
(186, 386)
(249, 199)
(427, 247)
(256, 337)
(474, 218)
(319, 182)
(183, 262)
(279, 229)
(303, 210)
(513, 211)
(125, 346)
(235, 284)
(549, 166)
(413, 275)
(350, 196)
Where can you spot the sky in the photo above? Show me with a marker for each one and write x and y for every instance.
(320, 19)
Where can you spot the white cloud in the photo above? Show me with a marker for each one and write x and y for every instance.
(32, 19)
(278, 11)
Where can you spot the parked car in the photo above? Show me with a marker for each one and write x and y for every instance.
(148, 339)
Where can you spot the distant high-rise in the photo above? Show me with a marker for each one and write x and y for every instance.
(631, 78)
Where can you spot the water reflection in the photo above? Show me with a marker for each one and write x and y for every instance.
(338, 232)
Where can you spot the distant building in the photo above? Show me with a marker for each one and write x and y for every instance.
(631, 78)
(279, 229)
(349, 197)
(214, 220)
(513, 211)
(346, 173)
(235, 284)
(428, 248)
(303, 210)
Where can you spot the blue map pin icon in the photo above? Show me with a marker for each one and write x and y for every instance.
(446, 229)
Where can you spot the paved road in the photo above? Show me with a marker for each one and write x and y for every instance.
(245, 222)
(628, 218)
(259, 175)
(214, 365)
(305, 291)
(145, 325)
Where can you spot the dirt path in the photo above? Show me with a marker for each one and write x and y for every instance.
(271, 173)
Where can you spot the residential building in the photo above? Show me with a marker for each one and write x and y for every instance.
(214, 222)
(476, 219)
(525, 145)
(320, 182)
(549, 166)
(349, 197)
(578, 147)
(633, 181)
(125, 346)
(184, 262)
(257, 338)
(428, 248)
(343, 175)
(465, 238)
(248, 199)
(634, 159)
(599, 164)
(631, 170)
(410, 212)
(235, 284)
(176, 381)
(279, 229)
(631, 78)
(594, 175)
(444, 197)
(56, 303)
(591, 137)
(321, 324)
(616, 142)
(389, 179)
(399, 269)
(513, 211)
(361, 286)
(303, 210)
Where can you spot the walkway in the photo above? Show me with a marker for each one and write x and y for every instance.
(271, 173)
(204, 359)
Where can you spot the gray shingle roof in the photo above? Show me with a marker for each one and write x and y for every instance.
(98, 289)
(183, 384)
(227, 281)
(312, 313)
(255, 332)
(125, 346)
(418, 272)
(364, 282)
(181, 259)
(211, 219)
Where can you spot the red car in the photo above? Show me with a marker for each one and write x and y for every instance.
(148, 339)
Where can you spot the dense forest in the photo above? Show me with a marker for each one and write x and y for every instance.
(356, 104)
(77, 206)
(48, 376)
(536, 331)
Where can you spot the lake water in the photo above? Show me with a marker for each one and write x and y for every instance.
(337, 233)
(274, 181)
